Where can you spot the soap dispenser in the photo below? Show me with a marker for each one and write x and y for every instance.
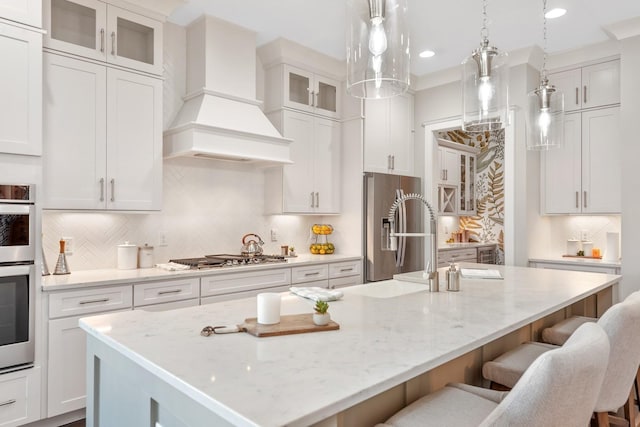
(453, 278)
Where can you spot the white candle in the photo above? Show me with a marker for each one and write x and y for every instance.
(268, 308)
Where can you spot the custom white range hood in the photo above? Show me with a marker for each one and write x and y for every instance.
(221, 118)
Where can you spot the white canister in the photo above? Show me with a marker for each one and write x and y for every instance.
(587, 247)
(268, 308)
(145, 256)
(127, 256)
(572, 247)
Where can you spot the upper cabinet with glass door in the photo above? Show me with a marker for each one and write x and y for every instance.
(100, 31)
(292, 87)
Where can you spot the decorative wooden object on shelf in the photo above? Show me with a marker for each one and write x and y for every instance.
(290, 324)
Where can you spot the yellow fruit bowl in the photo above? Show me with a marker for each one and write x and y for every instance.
(322, 248)
(322, 229)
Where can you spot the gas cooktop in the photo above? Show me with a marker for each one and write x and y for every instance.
(228, 260)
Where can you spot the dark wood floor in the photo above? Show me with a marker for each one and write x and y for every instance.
(79, 423)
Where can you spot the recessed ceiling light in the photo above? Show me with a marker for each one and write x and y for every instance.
(426, 54)
(555, 13)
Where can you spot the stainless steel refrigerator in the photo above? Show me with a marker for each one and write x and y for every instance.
(380, 192)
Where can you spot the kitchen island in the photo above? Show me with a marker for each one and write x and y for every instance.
(396, 342)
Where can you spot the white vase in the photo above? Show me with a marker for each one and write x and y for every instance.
(321, 319)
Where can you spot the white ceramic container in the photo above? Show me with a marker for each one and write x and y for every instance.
(127, 256)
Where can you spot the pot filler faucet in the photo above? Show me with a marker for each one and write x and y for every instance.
(431, 265)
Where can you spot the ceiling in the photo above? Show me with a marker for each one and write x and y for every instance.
(450, 28)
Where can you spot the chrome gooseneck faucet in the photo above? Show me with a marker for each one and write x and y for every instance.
(431, 264)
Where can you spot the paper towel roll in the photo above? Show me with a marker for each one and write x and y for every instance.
(612, 251)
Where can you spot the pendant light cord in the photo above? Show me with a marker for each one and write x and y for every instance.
(484, 31)
(544, 38)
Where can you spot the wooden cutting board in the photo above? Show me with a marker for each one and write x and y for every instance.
(582, 256)
(290, 324)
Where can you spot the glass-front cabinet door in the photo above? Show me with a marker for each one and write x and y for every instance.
(467, 183)
(304, 90)
(326, 96)
(95, 30)
(76, 26)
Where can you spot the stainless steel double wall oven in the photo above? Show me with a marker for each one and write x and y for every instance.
(17, 276)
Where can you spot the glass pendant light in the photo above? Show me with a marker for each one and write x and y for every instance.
(545, 108)
(485, 85)
(377, 48)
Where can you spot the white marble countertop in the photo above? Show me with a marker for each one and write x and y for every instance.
(112, 276)
(449, 246)
(390, 332)
(577, 261)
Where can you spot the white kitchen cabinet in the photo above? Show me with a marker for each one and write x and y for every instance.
(583, 176)
(388, 135)
(449, 166)
(97, 30)
(311, 185)
(103, 132)
(345, 273)
(27, 12)
(21, 89)
(456, 183)
(236, 283)
(166, 291)
(20, 397)
(292, 87)
(591, 86)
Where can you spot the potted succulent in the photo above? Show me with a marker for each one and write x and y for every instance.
(321, 317)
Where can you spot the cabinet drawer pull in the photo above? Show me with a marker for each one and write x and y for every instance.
(311, 274)
(102, 40)
(113, 43)
(8, 402)
(584, 95)
(102, 189)
(93, 301)
(173, 291)
(577, 202)
(585, 199)
(344, 270)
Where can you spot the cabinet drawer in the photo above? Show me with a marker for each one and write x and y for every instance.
(240, 295)
(89, 301)
(458, 255)
(344, 269)
(238, 282)
(165, 291)
(20, 397)
(309, 273)
(341, 282)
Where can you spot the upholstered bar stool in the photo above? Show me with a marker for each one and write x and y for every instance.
(620, 323)
(560, 388)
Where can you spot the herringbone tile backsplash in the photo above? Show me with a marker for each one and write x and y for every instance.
(207, 207)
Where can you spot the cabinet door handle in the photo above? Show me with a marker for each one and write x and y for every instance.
(311, 274)
(102, 189)
(93, 301)
(584, 200)
(8, 402)
(113, 43)
(393, 162)
(113, 189)
(577, 202)
(584, 94)
(315, 98)
(173, 291)
(317, 200)
(101, 39)
(577, 95)
(312, 200)
(389, 162)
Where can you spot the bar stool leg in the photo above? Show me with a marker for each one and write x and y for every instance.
(630, 410)
(602, 419)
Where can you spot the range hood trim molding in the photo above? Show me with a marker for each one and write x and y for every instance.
(229, 132)
(205, 91)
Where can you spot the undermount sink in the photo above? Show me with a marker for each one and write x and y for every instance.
(387, 289)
